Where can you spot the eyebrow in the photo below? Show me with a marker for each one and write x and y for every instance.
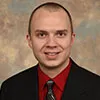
(45, 31)
(38, 30)
(64, 30)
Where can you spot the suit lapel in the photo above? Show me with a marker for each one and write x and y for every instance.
(74, 88)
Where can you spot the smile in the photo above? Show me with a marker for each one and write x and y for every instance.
(51, 53)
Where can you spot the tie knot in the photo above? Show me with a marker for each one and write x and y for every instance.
(50, 84)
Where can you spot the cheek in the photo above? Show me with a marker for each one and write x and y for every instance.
(37, 45)
(65, 43)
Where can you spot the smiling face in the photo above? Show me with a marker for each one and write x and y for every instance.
(51, 38)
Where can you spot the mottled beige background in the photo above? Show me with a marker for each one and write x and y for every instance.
(15, 55)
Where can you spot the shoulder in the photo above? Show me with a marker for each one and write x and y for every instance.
(18, 86)
(84, 74)
(84, 78)
(21, 77)
(82, 70)
(83, 83)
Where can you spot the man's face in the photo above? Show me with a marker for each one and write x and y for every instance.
(51, 38)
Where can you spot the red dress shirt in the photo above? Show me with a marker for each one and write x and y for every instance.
(59, 80)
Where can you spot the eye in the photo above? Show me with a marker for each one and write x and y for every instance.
(61, 34)
(41, 35)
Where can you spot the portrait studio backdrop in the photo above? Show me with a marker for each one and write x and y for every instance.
(15, 55)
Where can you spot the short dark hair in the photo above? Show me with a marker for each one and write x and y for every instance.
(50, 6)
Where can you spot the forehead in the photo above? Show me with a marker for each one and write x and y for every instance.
(50, 11)
(44, 19)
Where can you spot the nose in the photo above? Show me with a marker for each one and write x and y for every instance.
(51, 42)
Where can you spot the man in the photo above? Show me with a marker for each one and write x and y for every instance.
(56, 77)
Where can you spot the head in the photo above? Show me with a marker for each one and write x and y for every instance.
(50, 35)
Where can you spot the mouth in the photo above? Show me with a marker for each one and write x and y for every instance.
(52, 55)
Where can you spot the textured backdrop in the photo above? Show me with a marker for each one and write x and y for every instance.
(15, 55)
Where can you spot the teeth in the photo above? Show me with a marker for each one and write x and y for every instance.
(51, 53)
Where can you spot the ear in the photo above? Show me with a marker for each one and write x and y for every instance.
(28, 38)
(73, 38)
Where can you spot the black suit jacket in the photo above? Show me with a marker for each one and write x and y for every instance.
(80, 85)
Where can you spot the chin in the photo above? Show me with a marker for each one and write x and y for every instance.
(51, 65)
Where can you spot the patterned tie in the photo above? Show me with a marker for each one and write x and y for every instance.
(50, 94)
